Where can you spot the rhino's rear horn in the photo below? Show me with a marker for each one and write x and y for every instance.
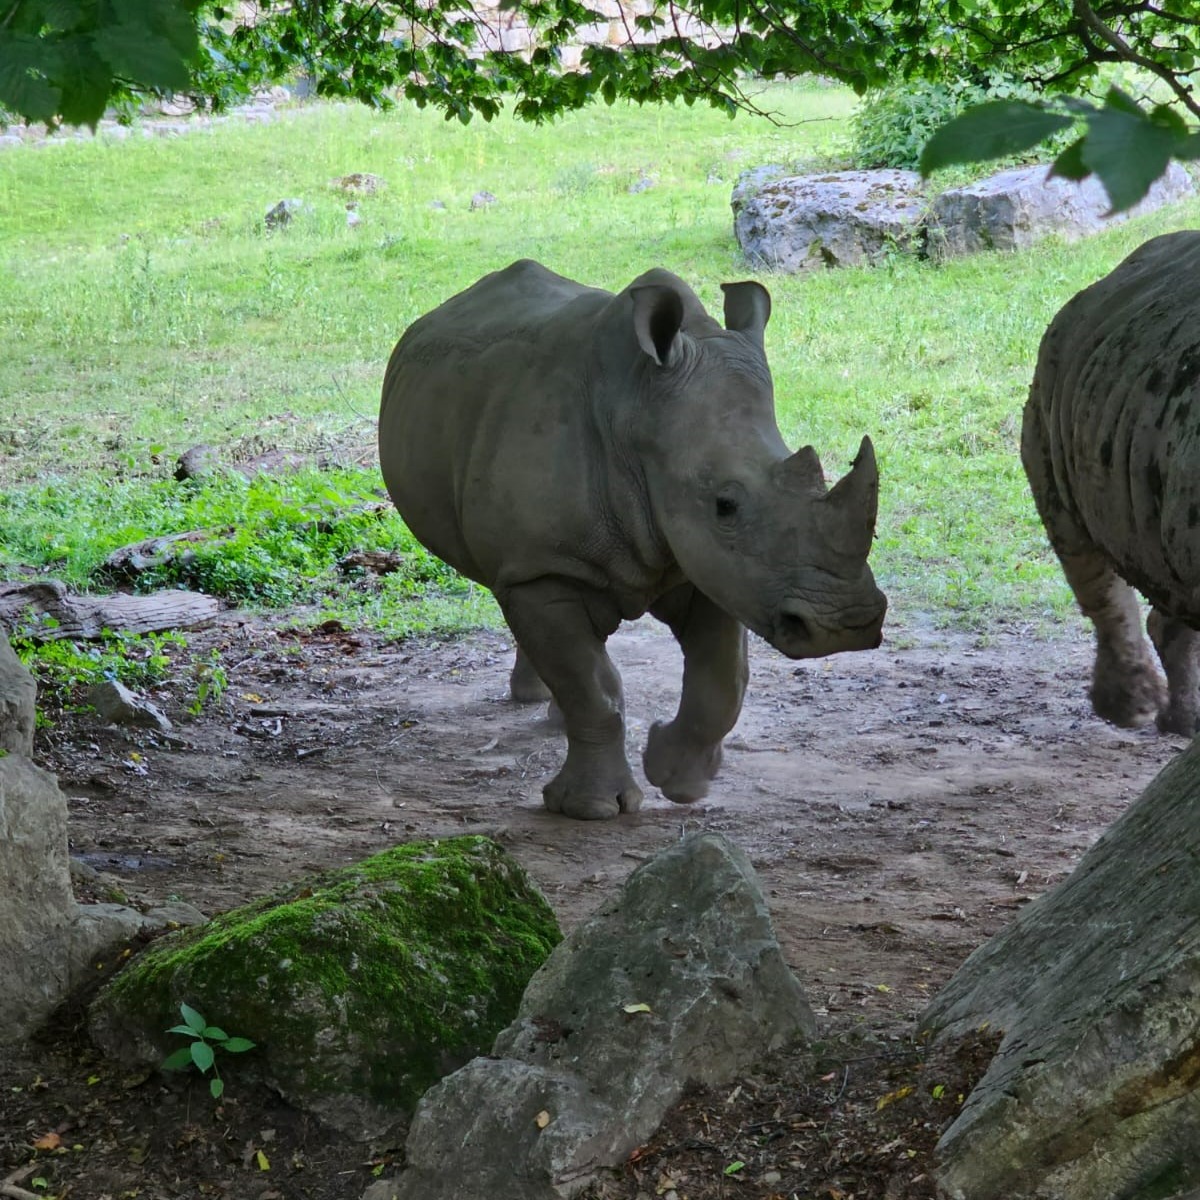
(657, 319)
(856, 498)
(801, 471)
(747, 308)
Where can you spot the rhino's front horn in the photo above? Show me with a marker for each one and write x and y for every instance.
(856, 498)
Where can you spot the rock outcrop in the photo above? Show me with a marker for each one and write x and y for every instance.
(788, 222)
(1094, 1092)
(47, 941)
(838, 219)
(677, 978)
(360, 987)
(1014, 209)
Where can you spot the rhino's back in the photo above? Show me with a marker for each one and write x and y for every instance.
(485, 432)
(1112, 425)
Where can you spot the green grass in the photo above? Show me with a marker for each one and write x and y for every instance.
(144, 309)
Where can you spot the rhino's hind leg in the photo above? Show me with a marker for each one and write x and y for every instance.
(1178, 647)
(562, 631)
(1126, 686)
(525, 684)
(682, 757)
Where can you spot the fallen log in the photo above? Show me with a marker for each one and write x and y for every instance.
(128, 562)
(26, 606)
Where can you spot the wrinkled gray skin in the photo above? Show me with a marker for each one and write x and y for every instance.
(591, 458)
(1111, 445)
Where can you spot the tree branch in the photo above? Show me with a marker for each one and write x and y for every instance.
(1088, 19)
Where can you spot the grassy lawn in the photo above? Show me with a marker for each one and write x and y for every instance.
(144, 309)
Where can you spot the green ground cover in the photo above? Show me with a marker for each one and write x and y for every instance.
(144, 309)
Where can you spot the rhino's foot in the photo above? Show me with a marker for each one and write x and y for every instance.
(1127, 697)
(681, 769)
(1180, 717)
(591, 797)
(527, 689)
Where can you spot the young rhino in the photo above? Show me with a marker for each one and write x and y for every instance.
(1111, 445)
(591, 458)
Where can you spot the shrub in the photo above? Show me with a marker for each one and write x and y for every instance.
(892, 124)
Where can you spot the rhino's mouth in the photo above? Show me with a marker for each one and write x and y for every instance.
(798, 636)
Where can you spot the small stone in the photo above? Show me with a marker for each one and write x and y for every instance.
(117, 705)
(353, 218)
(482, 200)
(284, 213)
(642, 184)
(381, 1189)
(175, 913)
(197, 463)
(360, 183)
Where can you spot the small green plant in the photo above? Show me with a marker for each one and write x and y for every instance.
(211, 681)
(201, 1052)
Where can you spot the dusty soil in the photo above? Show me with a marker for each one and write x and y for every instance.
(900, 806)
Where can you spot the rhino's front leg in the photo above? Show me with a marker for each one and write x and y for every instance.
(1126, 687)
(683, 756)
(561, 629)
(1178, 647)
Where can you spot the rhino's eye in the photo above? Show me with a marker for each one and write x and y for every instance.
(727, 507)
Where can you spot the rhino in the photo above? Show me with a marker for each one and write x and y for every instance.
(592, 457)
(1111, 446)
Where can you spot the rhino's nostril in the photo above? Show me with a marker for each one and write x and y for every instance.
(793, 628)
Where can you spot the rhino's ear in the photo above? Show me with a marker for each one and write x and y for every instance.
(657, 319)
(747, 308)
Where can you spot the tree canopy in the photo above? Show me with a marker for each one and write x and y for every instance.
(67, 60)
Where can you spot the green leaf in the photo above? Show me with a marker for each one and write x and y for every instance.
(1128, 152)
(184, 1029)
(195, 1021)
(1189, 147)
(992, 130)
(216, 1087)
(735, 1167)
(180, 1060)
(1069, 164)
(214, 1034)
(140, 54)
(86, 83)
(1122, 102)
(238, 1045)
(202, 1055)
(27, 65)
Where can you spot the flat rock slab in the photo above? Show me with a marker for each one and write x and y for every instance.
(1014, 209)
(1094, 1092)
(679, 978)
(839, 219)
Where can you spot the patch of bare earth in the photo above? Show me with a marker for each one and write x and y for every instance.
(899, 806)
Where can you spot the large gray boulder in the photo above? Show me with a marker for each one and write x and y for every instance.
(678, 978)
(838, 219)
(1093, 1093)
(47, 941)
(1014, 209)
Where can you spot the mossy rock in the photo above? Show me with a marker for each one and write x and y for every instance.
(361, 987)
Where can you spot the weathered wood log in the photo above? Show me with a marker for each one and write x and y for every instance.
(77, 616)
(126, 563)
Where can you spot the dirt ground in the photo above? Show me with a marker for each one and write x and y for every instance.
(900, 806)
